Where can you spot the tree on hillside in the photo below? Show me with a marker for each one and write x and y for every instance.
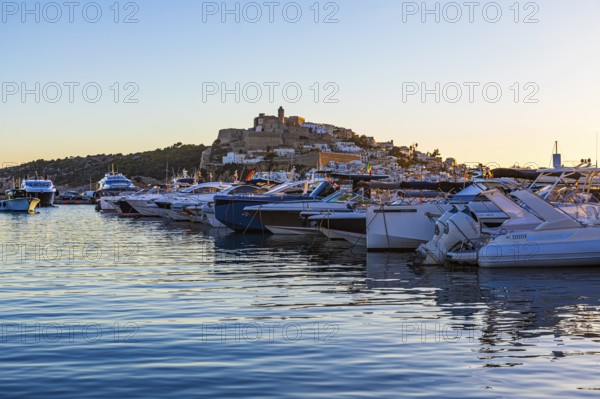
(362, 142)
(77, 171)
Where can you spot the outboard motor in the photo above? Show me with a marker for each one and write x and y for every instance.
(440, 228)
(463, 227)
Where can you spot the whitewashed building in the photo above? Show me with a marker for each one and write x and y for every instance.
(285, 152)
(347, 146)
(233, 158)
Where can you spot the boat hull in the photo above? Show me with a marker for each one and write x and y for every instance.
(402, 227)
(291, 218)
(124, 209)
(107, 204)
(343, 226)
(20, 205)
(352, 237)
(177, 215)
(106, 199)
(292, 230)
(145, 208)
(231, 212)
(210, 218)
(552, 248)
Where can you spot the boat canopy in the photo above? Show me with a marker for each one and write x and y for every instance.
(206, 188)
(513, 173)
(445, 187)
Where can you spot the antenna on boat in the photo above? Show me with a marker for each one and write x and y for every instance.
(556, 157)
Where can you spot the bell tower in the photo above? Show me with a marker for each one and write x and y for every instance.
(281, 116)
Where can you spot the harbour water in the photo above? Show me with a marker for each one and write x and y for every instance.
(93, 305)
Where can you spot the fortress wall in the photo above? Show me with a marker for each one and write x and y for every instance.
(262, 140)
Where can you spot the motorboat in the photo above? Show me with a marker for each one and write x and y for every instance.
(141, 204)
(205, 213)
(406, 224)
(230, 209)
(110, 189)
(123, 207)
(556, 239)
(183, 181)
(173, 206)
(43, 189)
(292, 217)
(460, 234)
(17, 200)
(402, 226)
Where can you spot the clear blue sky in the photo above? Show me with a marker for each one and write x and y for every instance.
(370, 53)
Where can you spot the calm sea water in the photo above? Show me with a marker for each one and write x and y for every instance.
(97, 306)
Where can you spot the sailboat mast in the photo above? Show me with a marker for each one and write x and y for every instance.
(596, 149)
(167, 174)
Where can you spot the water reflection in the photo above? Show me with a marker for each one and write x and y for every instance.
(505, 305)
(399, 327)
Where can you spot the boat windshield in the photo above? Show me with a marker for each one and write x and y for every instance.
(38, 183)
(468, 194)
(566, 195)
(346, 196)
(243, 190)
(154, 191)
(118, 181)
(296, 188)
(204, 189)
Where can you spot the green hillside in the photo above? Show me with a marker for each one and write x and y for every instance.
(77, 171)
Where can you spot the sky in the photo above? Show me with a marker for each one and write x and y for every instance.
(491, 82)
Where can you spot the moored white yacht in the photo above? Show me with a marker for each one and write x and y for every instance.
(406, 226)
(143, 203)
(460, 236)
(43, 189)
(110, 188)
(552, 239)
(205, 213)
(173, 206)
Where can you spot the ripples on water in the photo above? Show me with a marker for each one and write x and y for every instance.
(97, 306)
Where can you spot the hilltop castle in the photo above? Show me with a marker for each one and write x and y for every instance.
(271, 131)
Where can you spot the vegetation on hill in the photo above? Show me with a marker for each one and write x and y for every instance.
(78, 171)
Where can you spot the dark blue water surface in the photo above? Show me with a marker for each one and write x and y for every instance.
(97, 306)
